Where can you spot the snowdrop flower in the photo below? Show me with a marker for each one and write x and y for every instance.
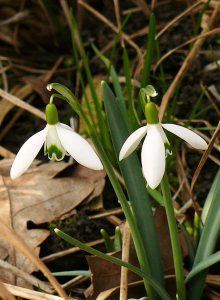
(59, 140)
(155, 148)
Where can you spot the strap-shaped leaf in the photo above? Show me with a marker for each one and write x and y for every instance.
(157, 287)
(136, 187)
(203, 265)
(209, 236)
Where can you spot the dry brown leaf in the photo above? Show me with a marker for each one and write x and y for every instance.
(37, 198)
(106, 275)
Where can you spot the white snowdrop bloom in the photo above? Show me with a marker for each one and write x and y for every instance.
(59, 140)
(153, 153)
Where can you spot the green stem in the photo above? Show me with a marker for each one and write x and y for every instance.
(128, 214)
(115, 261)
(177, 253)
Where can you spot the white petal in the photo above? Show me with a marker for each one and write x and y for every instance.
(187, 135)
(27, 153)
(79, 148)
(132, 142)
(153, 156)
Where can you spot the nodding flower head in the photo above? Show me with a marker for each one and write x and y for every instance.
(59, 140)
(156, 144)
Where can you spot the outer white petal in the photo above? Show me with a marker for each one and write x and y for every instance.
(132, 142)
(187, 135)
(78, 148)
(27, 153)
(153, 156)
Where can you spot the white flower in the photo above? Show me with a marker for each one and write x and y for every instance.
(59, 140)
(153, 151)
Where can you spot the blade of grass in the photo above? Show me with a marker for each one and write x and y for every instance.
(132, 114)
(115, 80)
(203, 265)
(209, 236)
(101, 121)
(136, 187)
(149, 52)
(115, 261)
(73, 273)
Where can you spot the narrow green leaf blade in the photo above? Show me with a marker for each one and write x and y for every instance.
(209, 236)
(203, 265)
(150, 52)
(136, 187)
(114, 260)
(73, 273)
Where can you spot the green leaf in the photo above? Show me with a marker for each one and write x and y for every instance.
(160, 291)
(73, 273)
(203, 265)
(209, 236)
(136, 187)
(149, 52)
(209, 198)
(132, 114)
(115, 81)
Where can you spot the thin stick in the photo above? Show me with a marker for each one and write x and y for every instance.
(125, 257)
(186, 65)
(118, 20)
(30, 294)
(27, 277)
(11, 237)
(4, 293)
(59, 254)
(204, 157)
(111, 25)
(177, 18)
(18, 102)
(203, 35)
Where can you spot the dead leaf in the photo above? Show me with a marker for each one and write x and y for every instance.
(106, 275)
(36, 198)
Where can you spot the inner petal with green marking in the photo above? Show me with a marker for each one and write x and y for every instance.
(55, 153)
(53, 146)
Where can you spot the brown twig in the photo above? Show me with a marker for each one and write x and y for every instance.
(125, 257)
(27, 277)
(204, 157)
(177, 18)
(118, 20)
(187, 63)
(59, 254)
(111, 25)
(4, 293)
(11, 237)
(20, 103)
(203, 35)
(30, 294)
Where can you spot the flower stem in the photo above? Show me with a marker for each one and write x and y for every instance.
(144, 264)
(177, 253)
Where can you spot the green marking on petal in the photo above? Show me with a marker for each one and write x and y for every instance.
(55, 153)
